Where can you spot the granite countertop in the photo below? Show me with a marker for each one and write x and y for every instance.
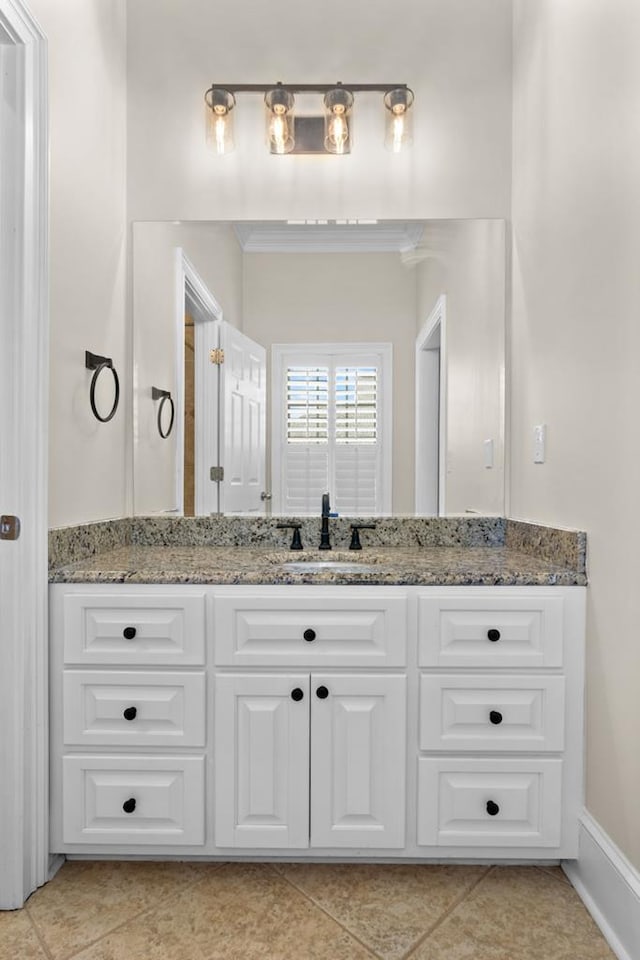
(416, 566)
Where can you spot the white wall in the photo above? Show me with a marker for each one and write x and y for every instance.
(87, 250)
(313, 298)
(455, 54)
(215, 254)
(469, 269)
(576, 345)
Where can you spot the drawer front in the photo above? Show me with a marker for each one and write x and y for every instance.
(491, 713)
(311, 630)
(493, 803)
(115, 708)
(130, 629)
(133, 800)
(490, 632)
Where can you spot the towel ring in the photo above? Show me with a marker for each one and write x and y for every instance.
(163, 396)
(93, 361)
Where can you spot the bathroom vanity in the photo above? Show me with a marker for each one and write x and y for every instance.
(240, 707)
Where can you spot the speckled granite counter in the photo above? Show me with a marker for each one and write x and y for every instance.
(389, 565)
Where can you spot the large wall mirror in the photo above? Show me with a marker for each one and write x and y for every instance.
(274, 361)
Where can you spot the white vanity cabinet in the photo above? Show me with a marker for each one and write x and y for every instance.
(316, 721)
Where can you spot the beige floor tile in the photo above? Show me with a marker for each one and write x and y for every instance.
(240, 912)
(18, 939)
(556, 872)
(387, 907)
(86, 900)
(517, 913)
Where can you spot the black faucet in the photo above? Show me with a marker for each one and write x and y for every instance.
(325, 543)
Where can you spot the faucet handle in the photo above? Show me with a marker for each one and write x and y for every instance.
(296, 541)
(355, 534)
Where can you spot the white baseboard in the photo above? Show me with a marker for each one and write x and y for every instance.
(609, 887)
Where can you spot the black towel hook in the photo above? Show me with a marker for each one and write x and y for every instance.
(93, 361)
(163, 396)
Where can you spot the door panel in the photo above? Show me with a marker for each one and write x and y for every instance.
(243, 422)
(358, 761)
(262, 761)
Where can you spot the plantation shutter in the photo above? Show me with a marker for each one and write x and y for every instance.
(331, 431)
(306, 458)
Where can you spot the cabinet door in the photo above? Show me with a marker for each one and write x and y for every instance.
(358, 761)
(262, 760)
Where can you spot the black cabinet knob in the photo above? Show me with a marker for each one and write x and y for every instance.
(495, 716)
(492, 808)
(130, 713)
(297, 694)
(309, 635)
(129, 633)
(494, 635)
(129, 805)
(322, 693)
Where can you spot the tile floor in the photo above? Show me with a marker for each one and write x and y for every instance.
(231, 911)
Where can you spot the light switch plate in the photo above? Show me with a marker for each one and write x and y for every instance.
(488, 454)
(539, 442)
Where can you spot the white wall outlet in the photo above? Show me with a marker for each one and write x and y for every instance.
(487, 449)
(539, 442)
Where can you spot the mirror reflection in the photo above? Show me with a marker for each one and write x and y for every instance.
(365, 359)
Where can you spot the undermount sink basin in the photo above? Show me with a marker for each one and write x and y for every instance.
(331, 566)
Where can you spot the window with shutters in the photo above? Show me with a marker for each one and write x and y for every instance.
(331, 428)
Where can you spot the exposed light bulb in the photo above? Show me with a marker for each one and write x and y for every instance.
(398, 128)
(338, 129)
(278, 128)
(220, 128)
(338, 103)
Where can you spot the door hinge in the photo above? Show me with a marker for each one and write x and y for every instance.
(217, 355)
(9, 527)
(216, 474)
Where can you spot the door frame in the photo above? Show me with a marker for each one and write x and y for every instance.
(431, 413)
(24, 837)
(190, 285)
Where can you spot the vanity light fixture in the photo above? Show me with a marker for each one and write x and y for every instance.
(219, 119)
(330, 133)
(399, 125)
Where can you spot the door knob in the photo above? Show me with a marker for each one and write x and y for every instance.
(322, 693)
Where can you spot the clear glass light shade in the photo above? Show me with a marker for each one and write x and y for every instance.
(280, 120)
(337, 121)
(398, 132)
(219, 120)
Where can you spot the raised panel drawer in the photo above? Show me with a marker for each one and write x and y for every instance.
(115, 708)
(134, 629)
(167, 795)
(491, 713)
(312, 628)
(516, 632)
(489, 803)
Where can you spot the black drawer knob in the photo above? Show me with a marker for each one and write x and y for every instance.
(492, 808)
(129, 633)
(129, 805)
(494, 635)
(297, 694)
(322, 693)
(309, 635)
(495, 716)
(130, 713)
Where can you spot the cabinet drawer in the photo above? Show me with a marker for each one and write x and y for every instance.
(134, 629)
(496, 803)
(311, 628)
(490, 632)
(164, 797)
(459, 712)
(113, 708)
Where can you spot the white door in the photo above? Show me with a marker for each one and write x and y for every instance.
(262, 760)
(358, 728)
(23, 478)
(242, 423)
